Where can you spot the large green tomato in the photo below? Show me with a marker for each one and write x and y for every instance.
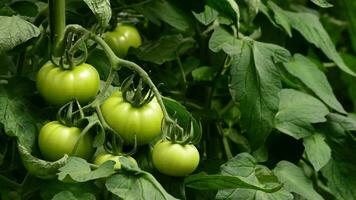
(175, 159)
(102, 158)
(128, 121)
(55, 140)
(122, 38)
(59, 86)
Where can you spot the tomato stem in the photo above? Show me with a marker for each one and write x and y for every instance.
(57, 23)
(9, 182)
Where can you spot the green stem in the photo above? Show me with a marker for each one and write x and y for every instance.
(181, 70)
(10, 183)
(113, 59)
(108, 82)
(225, 142)
(57, 23)
(84, 131)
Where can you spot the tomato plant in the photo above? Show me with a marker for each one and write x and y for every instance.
(122, 38)
(59, 86)
(144, 122)
(55, 140)
(246, 98)
(175, 159)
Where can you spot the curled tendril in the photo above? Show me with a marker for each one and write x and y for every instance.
(136, 94)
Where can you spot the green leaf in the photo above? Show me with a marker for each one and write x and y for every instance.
(244, 165)
(294, 180)
(349, 7)
(252, 9)
(101, 10)
(207, 16)
(223, 40)
(310, 27)
(78, 169)
(255, 84)
(297, 111)
(307, 72)
(317, 151)
(55, 188)
(322, 3)
(17, 115)
(164, 49)
(228, 8)
(67, 195)
(14, 31)
(140, 186)
(219, 182)
(168, 12)
(40, 168)
(340, 171)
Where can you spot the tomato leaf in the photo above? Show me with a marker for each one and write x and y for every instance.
(101, 10)
(294, 180)
(317, 150)
(227, 8)
(244, 165)
(310, 27)
(322, 3)
(11, 35)
(56, 189)
(297, 111)
(136, 187)
(17, 114)
(77, 169)
(349, 6)
(340, 171)
(38, 167)
(307, 72)
(255, 84)
(67, 195)
(167, 12)
(164, 49)
(207, 16)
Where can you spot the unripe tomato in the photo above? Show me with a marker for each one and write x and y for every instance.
(59, 86)
(55, 140)
(122, 38)
(128, 121)
(175, 159)
(102, 158)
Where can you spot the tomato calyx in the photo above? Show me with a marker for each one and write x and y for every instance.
(114, 143)
(73, 50)
(70, 113)
(136, 94)
(174, 133)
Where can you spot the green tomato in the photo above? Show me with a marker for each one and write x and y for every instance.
(122, 38)
(59, 86)
(55, 140)
(102, 158)
(128, 121)
(175, 159)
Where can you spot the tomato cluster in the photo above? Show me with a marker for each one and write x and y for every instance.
(135, 124)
